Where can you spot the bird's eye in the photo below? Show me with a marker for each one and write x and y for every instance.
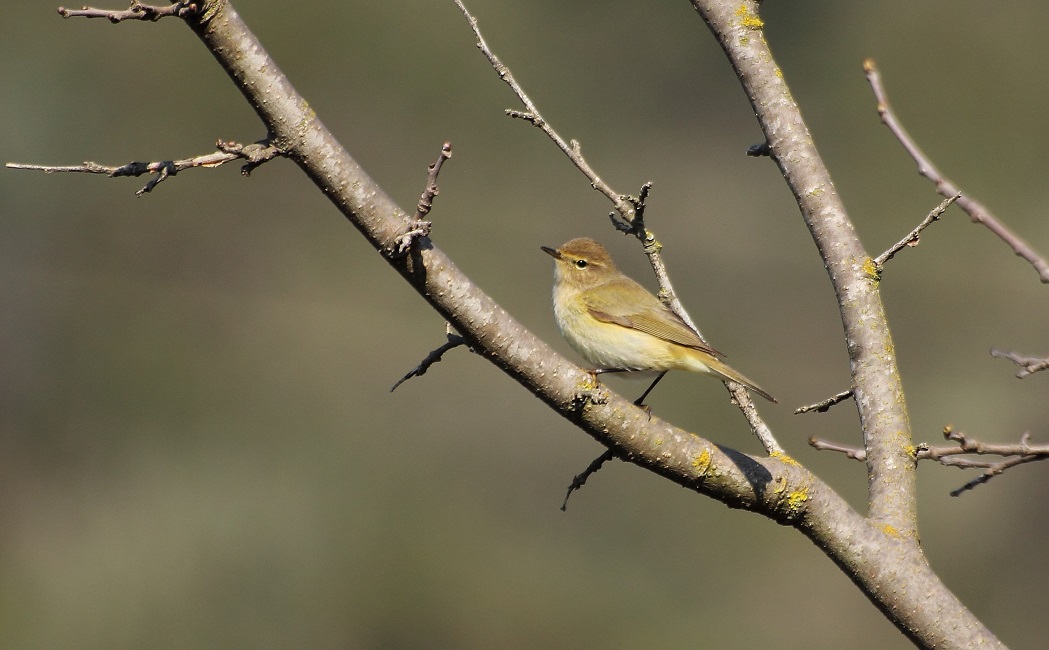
(580, 264)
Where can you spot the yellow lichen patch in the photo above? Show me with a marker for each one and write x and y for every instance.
(784, 458)
(871, 269)
(890, 531)
(749, 20)
(702, 462)
(795, 500)
(912, 451)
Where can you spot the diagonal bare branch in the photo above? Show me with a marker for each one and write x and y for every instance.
(976, 210)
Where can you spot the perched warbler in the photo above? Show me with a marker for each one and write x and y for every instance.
(616, 324)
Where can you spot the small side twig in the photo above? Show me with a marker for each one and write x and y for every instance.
(976, 210)
(256, 154)
(1028, 365)
(454, 341)
(137, 11)
(579, 480)
(1012, 455)
(855, 453)
(418, 226)
(426, 200)
(531, 114)
(914, 237)
(762, 150)
(992, 471)
(824, 406)
(625, 205)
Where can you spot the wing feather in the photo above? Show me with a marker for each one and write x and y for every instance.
(647, 314)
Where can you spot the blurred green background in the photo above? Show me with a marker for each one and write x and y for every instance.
(198, 447)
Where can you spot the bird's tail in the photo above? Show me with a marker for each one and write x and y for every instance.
(724, 372)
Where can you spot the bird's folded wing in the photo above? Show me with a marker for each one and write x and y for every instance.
(654, 319)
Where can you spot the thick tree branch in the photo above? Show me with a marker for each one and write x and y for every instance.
(879, 553)
(782, 490)
(876, 385)
(932, 615)
(976, 210)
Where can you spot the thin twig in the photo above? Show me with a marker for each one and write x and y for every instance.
(743, 401)
(454, 341)
(426, 200)
(256, 154)
(1028, 365)
(824, 406)
(628, 208)
(855, 453)
(993, 471)
(418, 226)
(138, 11)
(625, 205)
(579, 480)
(531, 114)
(914, 237)
(976, 210)
(1012, 455)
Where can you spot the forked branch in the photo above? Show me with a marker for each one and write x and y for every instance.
(1011, 455)
(976, 210)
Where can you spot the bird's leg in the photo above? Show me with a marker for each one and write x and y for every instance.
(641, 400)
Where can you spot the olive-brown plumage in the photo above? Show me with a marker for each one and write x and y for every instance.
(615, 323)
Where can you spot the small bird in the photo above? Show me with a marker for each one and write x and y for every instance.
(616, 324)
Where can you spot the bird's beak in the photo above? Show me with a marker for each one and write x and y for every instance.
(552, 252)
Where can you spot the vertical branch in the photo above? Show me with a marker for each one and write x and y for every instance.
(876, 382)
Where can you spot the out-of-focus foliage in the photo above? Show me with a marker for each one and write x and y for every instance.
(197, 443)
